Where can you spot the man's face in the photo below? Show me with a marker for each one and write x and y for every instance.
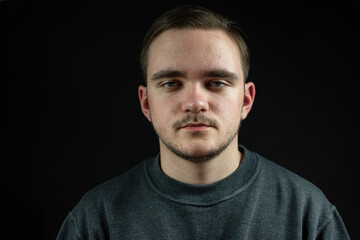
(195, 92)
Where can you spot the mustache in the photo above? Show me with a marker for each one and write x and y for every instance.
(195, 118)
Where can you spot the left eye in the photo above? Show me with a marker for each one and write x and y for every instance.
(217, 84)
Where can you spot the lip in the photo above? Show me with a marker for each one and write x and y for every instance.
(196, 127)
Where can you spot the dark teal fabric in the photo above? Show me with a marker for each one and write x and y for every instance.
(260, 200)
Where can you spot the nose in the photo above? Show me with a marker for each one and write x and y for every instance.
(195, 99)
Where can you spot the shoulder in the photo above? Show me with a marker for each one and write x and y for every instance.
(115, 190)
(94, 211)
(293, 202)
(281, 177)
(295, 194)
(97, 208)
(276, 176)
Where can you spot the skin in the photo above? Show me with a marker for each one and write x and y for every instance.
(195, 98)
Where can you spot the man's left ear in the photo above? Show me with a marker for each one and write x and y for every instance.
(249, 97)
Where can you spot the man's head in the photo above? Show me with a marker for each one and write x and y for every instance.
(194, 17)
(196, 95)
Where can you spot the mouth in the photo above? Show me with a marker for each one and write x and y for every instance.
(196, 126)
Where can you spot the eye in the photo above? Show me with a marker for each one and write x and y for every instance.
(170, 84)
(217, 84)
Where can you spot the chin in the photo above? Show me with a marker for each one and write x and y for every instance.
(197, 151)
(199, 156)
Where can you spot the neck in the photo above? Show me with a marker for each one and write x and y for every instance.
(200, 173)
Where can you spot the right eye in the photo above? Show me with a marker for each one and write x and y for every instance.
(170, 84)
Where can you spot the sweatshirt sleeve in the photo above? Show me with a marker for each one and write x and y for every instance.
(333, 229)
(68, 230)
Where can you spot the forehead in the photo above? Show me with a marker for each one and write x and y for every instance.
(194, 50)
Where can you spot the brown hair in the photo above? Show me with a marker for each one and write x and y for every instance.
(194, 17)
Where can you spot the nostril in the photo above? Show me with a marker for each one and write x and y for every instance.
(195, 106)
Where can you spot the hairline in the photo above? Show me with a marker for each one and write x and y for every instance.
(229, 33)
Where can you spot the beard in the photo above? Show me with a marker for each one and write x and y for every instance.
(204, 155)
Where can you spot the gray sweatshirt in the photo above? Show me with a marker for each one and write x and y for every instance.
(260, 200)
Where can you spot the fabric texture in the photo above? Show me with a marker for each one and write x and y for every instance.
(260, 200)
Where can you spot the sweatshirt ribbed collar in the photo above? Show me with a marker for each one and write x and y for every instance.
(203, 195)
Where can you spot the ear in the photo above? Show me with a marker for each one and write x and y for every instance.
(144, 102)
(249, 97)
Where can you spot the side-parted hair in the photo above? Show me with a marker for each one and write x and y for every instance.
(194, 17)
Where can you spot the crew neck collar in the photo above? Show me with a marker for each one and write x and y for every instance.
(203, 195)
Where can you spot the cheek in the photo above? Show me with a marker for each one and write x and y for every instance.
(232, 103)
(162, 111)
(228, 110)
(170, 106)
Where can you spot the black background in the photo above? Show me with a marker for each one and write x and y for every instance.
(69, 78)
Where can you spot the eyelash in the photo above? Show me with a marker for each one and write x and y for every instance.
(166, 84)
(223, 84)
(208, 84)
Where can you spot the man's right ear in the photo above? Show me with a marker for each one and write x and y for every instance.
(144, 101)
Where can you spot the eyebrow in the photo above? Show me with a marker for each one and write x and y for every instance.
(167, 74)
(216, 73)
(221, 73)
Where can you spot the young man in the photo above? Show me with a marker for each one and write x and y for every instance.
(202, 185)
